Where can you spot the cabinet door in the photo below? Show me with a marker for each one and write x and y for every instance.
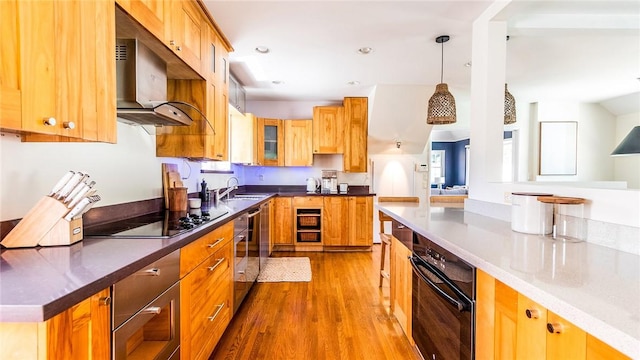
(485, 315)
(505, 321)
(149, 13)
(242, 138)
(297, 143)
(10, 89)
(187, 33)
(328, 129)
(335, 222)
(283, 225)
(401, 285)
(270, 145)
(531, 328)
(356, 122)
(360, 220)
(598, 350)
(567, 342)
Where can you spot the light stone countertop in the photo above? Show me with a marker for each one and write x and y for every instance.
(594, 287)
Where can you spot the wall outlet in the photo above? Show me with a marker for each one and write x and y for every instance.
(421, 168)
(507, 197)
(261, 177)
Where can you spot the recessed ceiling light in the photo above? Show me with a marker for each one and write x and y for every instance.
(277, 82)
(353, 82)
(365, 50)
(262, 49)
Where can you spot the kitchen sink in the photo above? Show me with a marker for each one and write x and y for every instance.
(240, 197)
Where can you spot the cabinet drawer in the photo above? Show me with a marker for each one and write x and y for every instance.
(196, 252)
(307, 201)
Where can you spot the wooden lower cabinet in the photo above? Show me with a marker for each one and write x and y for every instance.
(81, 332)
(206, 294)
(347, 221)
(512, 326)
(401, 285)
(283, 225)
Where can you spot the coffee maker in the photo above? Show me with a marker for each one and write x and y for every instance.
(329, 182)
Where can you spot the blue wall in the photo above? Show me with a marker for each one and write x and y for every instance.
(455, 159)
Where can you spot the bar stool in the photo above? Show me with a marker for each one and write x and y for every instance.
(385, 239)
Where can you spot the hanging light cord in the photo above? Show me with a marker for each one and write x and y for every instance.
(441, 61)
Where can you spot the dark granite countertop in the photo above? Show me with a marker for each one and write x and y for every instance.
(39, 283)
(300, 190)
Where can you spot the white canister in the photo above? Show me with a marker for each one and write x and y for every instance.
(530, 216)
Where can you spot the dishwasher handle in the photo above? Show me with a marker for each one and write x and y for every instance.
(462, 303)
(252, 214)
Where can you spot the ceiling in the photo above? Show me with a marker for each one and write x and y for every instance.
(577, 50)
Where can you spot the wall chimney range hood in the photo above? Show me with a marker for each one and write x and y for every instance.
(141, 80)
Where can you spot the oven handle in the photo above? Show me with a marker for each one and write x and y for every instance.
(462, 305)
(250, 215)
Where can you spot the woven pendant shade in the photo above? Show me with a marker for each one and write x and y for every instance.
(442, 107)
(509, 107)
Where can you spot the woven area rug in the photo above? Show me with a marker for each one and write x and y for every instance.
(286, 269)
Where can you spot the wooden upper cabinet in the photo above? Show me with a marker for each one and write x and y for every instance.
(186, 33)
(328, 129)
(269, 142)
(66, 83)
(356, 131)
(10, 85)
(152, 14)
(297, 143)
(242, 137)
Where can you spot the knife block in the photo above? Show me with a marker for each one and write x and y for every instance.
(44, 225)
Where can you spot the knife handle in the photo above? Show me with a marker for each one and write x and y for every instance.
(77, 209)
(63, 180)
(66, 189)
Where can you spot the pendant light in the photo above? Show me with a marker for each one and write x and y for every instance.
(509, 105)
(442, 105)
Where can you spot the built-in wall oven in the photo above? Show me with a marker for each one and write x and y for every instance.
(146, 312)
(443, 302)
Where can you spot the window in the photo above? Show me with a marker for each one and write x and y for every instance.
(507, 160)
(437, 165)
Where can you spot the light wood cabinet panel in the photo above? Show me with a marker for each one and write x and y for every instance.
(149, 13)
(356, 130)
(283, 225)
(297, 142)
(205, 298)
(335, 224)
(328, 129)
(361, 220)
(598, 350)
(196, 252)
(511, 326)
(269, 142)
(80, 332)
(186, 34)
(67, 71)
(401, 285)
(10, 89)
(242, 137)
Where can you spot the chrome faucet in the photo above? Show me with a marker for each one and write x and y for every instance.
(229, 188)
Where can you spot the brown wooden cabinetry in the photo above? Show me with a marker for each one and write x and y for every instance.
(356, 130)
(269, 142)
(283, 225)
(186, 33)
(152, 14)
(80, 332)
(347, 221)
(328, 129)
(400, 284)
(206, 292)
(297, 143)
(58, 70)
(512, 326)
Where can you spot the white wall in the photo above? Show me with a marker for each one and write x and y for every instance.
(124, 172)
(626, 168)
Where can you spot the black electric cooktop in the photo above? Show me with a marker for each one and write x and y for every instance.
(159, 225)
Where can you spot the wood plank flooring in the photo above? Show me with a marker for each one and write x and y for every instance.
(340, 314)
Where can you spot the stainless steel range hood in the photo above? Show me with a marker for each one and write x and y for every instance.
(141, 78)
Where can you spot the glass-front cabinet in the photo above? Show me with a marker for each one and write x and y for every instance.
(270, 136)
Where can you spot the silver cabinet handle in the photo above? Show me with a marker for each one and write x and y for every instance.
(178, 48)
(151, 272)
(401, 227)
(69, 125)
(104, 301)
(211, 268)
(241, 272)
(152, 310)
(172, 42)
(215, 243)
(49, 121)
(219, 308)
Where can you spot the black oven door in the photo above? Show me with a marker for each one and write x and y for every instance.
(442, 315)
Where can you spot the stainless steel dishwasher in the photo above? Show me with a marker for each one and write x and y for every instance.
(241, 251)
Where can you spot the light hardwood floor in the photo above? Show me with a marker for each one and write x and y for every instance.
(340, 314)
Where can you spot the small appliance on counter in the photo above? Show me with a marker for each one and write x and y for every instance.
(312, 185)
(329, 182)
(344, 188)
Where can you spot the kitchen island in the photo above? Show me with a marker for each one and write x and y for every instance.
(593, 287)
